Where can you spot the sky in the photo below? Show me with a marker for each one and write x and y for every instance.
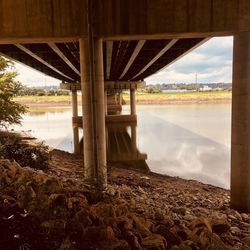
(211, 62)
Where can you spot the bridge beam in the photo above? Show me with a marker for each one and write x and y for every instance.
(41, 60)
(161, 53)
(240, 141)
(55, 48)
(92, 85)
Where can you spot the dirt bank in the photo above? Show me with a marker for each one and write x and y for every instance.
(138, 102)
(55, 209)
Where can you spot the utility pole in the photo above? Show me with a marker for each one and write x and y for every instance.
(196, 76)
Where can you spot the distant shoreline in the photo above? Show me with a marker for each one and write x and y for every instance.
(141, 99)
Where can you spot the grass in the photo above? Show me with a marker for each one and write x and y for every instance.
(144, 98)
(37, 99)
(181, 96)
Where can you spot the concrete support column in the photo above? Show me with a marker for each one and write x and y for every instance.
(75, 127)
(133, 138)
(120, 98)
(106, 102)
(116, 98)
(132, 102)
(240, 143)
(92, 83)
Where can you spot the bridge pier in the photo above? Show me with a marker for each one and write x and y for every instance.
(132, 102)
(120, 98)
(133, 138)
(106, 102)
(240, 143)
(92, 85)
(75, 125)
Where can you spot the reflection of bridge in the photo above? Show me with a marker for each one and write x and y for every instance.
(100, 41)
(121, 145)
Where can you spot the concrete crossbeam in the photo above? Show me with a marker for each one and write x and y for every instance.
(108, 85)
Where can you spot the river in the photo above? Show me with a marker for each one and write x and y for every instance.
(190, 141)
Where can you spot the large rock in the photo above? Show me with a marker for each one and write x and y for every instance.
(52, 185)
(245, 217)
(103, 213)
(246, 240)
(211, 241)
(198, 224)
(8, 172)
(121, 210)
(81, 220)
(141, 225)
(124, 223)
(179, 210)
(202, 233)
(132, 240)
(171, 237)
(220, 226)
(154, 241)
(57, 200)
(101, 237)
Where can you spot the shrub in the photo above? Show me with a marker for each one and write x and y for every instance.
(10, 111)
(13, 148)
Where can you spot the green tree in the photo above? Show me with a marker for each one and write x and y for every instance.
(153, 90)
(10, 111)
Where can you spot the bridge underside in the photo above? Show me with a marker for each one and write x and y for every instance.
(122, 60)
(93, 41)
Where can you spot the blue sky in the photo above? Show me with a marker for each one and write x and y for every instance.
(212, 62)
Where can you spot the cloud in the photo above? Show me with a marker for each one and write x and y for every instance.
(31, 77)
(212, 62)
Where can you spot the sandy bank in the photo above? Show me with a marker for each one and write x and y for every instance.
(143, 99)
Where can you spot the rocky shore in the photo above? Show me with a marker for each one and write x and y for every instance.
(54, 209)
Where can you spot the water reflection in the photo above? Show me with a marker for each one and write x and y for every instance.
(122, 146)
(191, 141)
(179, 151)
(52, 125)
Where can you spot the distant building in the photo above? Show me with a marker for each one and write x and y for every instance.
(205, 88)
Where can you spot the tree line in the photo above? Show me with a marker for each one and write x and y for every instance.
(32, 91)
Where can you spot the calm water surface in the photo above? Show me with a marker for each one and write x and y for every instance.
(190, 141)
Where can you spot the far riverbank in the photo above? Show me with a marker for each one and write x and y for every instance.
(141, 98)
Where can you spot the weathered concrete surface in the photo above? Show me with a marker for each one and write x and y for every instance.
(75, 126)
(132, 102)
(92, 83)
(240, 150)
(44, 19)
(158, 18)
